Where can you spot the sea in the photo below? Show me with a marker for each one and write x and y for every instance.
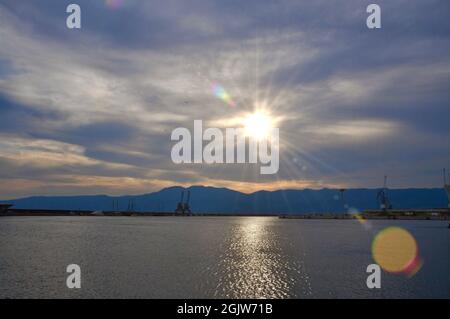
(214, 257)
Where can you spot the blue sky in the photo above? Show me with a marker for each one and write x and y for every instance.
(91, 111)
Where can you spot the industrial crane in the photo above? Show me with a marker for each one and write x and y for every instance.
(382, 197)
(183, 208)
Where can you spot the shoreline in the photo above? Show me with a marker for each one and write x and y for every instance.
(437, 214)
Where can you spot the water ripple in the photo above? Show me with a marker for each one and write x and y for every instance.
(253, 264)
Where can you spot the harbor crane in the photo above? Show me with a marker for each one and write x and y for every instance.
(131, 206)
(183, 208)
(383, 198)
(344, 202)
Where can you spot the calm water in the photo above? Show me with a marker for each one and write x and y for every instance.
(211, 257)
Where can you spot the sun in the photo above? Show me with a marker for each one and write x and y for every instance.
(258, 125)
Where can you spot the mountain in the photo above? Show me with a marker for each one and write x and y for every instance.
(223, 200)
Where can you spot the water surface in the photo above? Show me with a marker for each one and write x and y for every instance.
(211, 257)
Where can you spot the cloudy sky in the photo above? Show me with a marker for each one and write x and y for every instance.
(91, 111)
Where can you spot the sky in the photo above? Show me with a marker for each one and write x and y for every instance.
(91, 111)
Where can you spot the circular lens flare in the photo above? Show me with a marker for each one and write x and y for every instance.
(396, 251)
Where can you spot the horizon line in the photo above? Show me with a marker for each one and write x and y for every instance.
(227, 188)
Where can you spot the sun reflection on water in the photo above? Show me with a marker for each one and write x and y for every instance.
(253, 265)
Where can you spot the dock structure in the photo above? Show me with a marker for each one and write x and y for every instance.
(431, 213)
(4, 208)
(400, 214)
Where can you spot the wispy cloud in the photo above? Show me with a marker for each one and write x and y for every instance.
(91, 111)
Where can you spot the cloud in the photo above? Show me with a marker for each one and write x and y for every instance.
(85, 109)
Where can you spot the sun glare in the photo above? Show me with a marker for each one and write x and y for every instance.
(258, 125)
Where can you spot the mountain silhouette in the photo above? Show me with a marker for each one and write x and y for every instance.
(223, 200)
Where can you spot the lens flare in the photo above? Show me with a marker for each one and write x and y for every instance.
(360, 218)
(396, 251)
(357, 215)
(114, 4)
(258, 125)
(220, 92)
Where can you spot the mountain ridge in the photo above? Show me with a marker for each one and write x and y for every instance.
(207, 199)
